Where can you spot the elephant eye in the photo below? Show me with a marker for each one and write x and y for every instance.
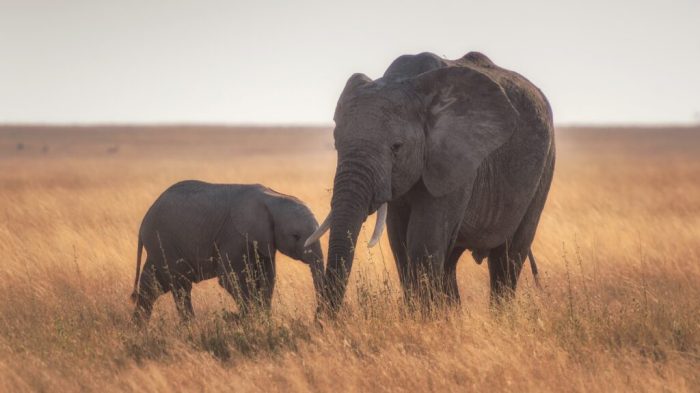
(395, 147)
(296, 237)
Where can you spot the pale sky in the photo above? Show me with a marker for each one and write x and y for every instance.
(286, 62)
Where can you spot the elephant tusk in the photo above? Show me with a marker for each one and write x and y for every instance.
(323, 228)
(378, 226)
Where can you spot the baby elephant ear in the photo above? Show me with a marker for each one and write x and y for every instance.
(468, 117)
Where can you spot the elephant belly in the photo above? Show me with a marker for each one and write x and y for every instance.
(485, 232)
(493, 213)
(205, 269)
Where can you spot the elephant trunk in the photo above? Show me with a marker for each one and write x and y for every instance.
(313, 256)
(345, 227)
(354, 197)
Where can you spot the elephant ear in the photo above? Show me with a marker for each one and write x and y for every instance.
(355, 82)
(468, 117)
(253, 223)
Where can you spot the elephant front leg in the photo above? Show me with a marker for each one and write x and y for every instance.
(240, 287)
(265, 282)
(426, 269)
(251, 284)
(397, 227)
(426, 249)
(431, 234)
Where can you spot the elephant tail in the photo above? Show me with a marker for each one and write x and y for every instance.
(139, 251)
(533, 266)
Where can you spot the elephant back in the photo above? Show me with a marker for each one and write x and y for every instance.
(407, 66)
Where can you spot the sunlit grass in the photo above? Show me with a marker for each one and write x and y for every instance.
(617, 247)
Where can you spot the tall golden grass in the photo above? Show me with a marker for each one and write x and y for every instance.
(618, 249)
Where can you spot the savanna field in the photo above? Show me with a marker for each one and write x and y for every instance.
(618, 249)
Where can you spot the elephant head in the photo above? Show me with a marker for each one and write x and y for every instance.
(434, 125)
(293, 223)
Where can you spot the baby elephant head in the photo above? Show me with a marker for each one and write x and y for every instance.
(293, 223)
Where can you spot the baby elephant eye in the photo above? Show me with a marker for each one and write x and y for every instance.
(296, 237)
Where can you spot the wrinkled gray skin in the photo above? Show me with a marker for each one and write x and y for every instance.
(196, 231)
(462, 151)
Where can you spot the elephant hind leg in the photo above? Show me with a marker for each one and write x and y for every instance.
(506, 261)
(150, 288)
(450, 279)
(504, 270)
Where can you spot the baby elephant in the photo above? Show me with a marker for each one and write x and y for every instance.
(196, 231)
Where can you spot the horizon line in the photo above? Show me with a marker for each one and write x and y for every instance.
(186, 124)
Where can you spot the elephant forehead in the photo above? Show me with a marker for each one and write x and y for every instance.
(369, 104)
(377, 107)
(378, 94)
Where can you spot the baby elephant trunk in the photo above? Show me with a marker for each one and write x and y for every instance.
(313, 256)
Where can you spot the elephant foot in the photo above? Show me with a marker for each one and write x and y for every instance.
(232, 317)
(140, 317)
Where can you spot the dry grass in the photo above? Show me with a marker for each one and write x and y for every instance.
(618, 248)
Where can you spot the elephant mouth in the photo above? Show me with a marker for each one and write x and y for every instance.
(380, 199)
(374, 206)
(380, 208)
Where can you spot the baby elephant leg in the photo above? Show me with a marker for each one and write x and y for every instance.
(265, 282)
(150, 289)
(232, 277)
(257, 282)
(251, 286)
(182, 294)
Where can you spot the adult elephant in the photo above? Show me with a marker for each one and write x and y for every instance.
(456, 155)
